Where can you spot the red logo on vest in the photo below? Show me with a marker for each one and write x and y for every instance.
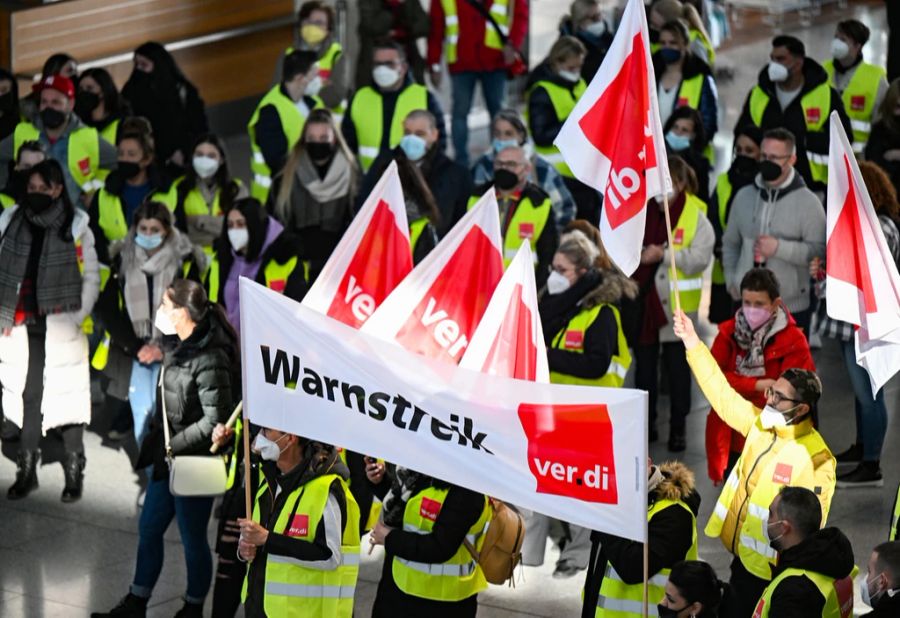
(526, 231)
(858, 102)
(84, 166)
(682, 102)
(430, 509)
(813, 115)
(570, 450)
(783, 473)
(844, 589)
(299, 526)
(574, 340)
(758, 612)
(678, 236)
(277, 285)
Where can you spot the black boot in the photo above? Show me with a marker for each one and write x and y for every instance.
(73, 468)
(26, 474)
(131, 606)
(190, 610)
(677, 441)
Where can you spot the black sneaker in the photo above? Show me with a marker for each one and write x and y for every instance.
(677, 442)
(131, 606)
(854, 455)
(190, 610)
(866, 474)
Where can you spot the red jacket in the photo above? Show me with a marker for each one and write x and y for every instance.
(471, 53)
(786, 349)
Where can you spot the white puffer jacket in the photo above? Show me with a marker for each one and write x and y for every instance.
(67, 389)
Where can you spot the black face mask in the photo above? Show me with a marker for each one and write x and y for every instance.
(505, 179)
(319, 151)
(128, 169)
(668, 612)
(37, 202)
(744, 166)
(7, 101)
(85, 103)
(52, 119)
(769, 170)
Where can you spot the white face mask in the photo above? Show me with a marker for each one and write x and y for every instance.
(205, 166)
(771, 417)
(163, 322)
(557, 283)
(778, 72)
(313, 87)
(865, 590)
(570, 76)
(385, 77)
(267, 449)
(839, 49)
(238, 237)
(596, 28)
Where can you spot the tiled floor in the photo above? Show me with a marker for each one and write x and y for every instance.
(66, 560)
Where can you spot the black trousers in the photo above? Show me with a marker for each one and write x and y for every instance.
(893, 50)
(33, 395)
(746, 589)
(675, 364)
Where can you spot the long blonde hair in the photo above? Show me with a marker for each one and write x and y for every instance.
(286, 186)
(685, 11)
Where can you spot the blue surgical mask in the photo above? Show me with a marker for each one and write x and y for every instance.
(414, 147)
(148, 241)
(502, 144)
(669, 55)
(678, 142)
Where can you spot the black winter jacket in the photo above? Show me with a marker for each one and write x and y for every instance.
(885, 607)
(201, 387)
(826, 551)
(451, 185)
(542, 121)
(460, 511)
(793, 117)
(669, 538)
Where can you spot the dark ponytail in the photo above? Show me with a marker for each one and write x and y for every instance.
(697, 582)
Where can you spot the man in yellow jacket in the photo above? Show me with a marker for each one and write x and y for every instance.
(782, 448)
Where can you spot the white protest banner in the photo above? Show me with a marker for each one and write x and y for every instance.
(372, 257)
(572, 452)
(509, 340)
(434, 310)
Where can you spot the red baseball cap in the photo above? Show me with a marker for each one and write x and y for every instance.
(60, 84)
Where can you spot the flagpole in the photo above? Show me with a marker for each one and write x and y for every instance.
(673, 272)
(248, 506)
(647, 573)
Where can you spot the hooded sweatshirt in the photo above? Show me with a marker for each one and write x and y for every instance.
(827, 552)
(791, 213)
(242, 268)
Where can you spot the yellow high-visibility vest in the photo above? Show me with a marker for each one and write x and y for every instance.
(367, 115)
(563, 101)
(82, 156)
(838, 593)
(571, 339)
(859, 99)
(501, 11)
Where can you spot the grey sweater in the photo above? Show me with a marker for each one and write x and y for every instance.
(792, 214)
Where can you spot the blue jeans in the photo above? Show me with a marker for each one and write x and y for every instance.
(142, 396)
(871, 413)
(192, 515)
(493, 87)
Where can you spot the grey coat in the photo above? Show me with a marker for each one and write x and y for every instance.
(792, 214)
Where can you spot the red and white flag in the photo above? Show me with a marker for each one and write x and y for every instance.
(371, 259)
(435, 310)
(863, 286)
(509, 341)
(613, 139)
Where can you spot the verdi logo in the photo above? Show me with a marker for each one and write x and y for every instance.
(570, 450)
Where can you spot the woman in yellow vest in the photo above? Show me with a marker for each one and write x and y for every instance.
(693, 589)
(683, 79)
(99, 104)
(614, 586)
(314, 195)
(153, 255)
(686, 137)
(135, 179)
(553, 88)
(205, 193)
(315, 32)
(585, 345)
(664, 11)
(256, 246)
(782, 448)
(427, 569)
(693, 239)
(302, 542)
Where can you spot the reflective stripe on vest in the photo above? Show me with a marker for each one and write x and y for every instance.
(838, 593)
(816, 105)
(367, 114)
(689, 286)
(454, 580)
(620, 600)
(895, 517)
(293, 589)
(792, 463)
(571, 339)
(723, 194)
(563, 100)
(859, 99)
(291, 124)
(501, 12)
(82, 156)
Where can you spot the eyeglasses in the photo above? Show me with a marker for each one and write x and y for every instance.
(777, 397)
